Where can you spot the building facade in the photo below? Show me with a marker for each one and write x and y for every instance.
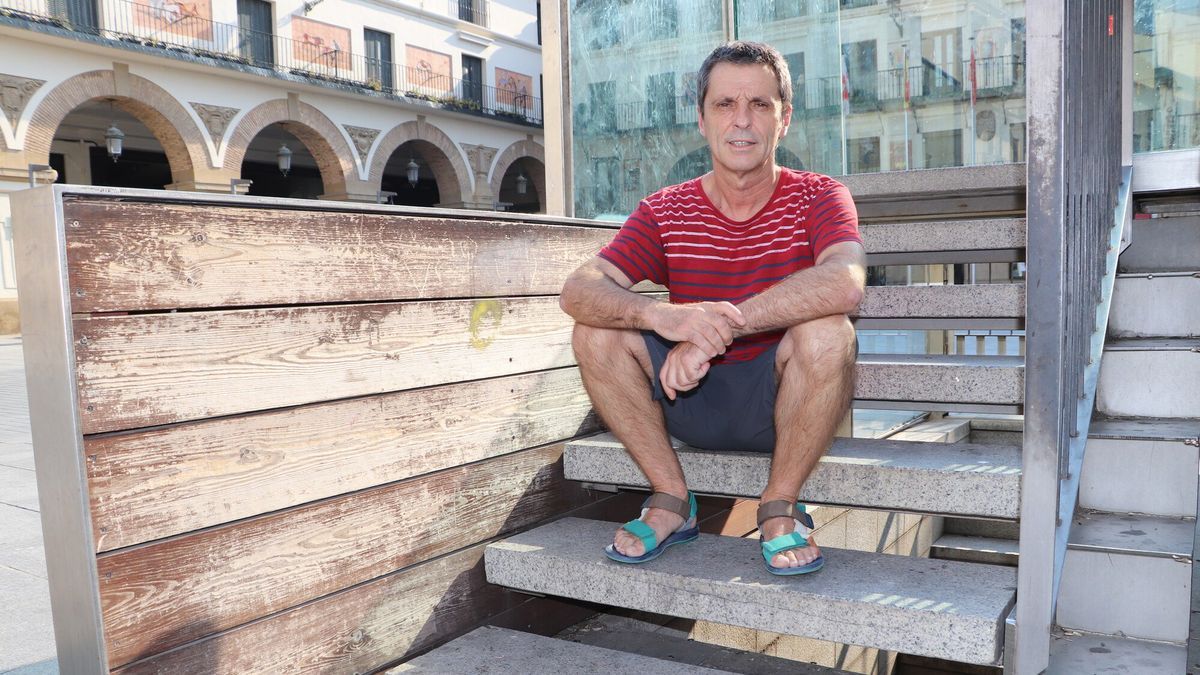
(418, 102)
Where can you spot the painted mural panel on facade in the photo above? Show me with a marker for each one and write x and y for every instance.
(321, 44)
(183, 19)
(428, 72)
(513, 89)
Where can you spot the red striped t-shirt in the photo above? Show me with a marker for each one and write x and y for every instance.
(677, 238)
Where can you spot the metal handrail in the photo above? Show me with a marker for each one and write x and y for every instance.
(173, 27)
(1078, 206)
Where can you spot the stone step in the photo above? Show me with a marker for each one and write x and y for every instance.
(967, 548)
(1073, 654)
(940, 478)
(1141, 465)
(994, 306)
(1156, 305)
(500, 650)
(944, 241)
(1128, 574)
(669, 639)
(938, 608)
(955, 382)
(994, 188)
(1146, 377)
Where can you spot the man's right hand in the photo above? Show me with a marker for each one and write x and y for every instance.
(708, 325)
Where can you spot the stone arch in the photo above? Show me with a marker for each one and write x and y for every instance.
(515, 151)
(334, 156)
(181, 139)
(455, 187)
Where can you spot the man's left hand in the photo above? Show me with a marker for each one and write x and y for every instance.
(685, 366)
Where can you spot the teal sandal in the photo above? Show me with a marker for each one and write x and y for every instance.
(797, 538)
(688, 531)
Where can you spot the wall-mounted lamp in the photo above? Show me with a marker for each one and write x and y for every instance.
(35, 168)
(283, 159)
(522, 183)
(414, 172)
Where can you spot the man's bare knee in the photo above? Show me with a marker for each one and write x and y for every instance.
(826, 343)
(604, 345)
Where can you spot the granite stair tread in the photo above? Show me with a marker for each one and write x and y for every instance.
(940, 378)
(970, 548)
(942, 478)
(1132, 534)
(939, 608)
(1074, 653)
(1145, 428)
(954, 305)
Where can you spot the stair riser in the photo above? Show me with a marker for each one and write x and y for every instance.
(1163, 244)
(1130, 476)
(1139, 596)
(986, 557)
(1162, 306)
(1149, 384)
(939, 383)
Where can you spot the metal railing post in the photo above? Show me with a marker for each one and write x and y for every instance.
(1044, 355)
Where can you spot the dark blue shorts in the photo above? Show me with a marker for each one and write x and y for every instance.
(733, 407)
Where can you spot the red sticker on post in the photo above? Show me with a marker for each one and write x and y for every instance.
(1110, 25)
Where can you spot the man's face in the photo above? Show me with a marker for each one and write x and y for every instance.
(742, 116)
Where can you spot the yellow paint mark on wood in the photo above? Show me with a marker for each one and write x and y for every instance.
(485, 318)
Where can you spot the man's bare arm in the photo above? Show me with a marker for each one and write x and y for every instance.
(597, 294)
(834, 285)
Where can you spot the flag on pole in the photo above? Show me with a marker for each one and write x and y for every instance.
(907, 83)
(974, 82)
(845, 84)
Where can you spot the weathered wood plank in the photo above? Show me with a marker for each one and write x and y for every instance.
(152, 484)
(126, 256)
(382, 621)
(162, 595)
(143, 370)
(356, 631)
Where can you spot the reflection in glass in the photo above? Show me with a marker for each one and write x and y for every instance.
(880, 85)
(1166, 64)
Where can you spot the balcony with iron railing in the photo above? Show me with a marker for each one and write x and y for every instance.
(172, 31)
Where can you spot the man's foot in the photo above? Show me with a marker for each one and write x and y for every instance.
(662, 521)
(796, 557)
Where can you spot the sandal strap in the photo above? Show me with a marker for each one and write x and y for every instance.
(783, 508)
(662, 500)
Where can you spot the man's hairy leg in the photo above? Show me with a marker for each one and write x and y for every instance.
(617, 373)
(815, 370)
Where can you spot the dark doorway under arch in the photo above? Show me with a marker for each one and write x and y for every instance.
(261, 166)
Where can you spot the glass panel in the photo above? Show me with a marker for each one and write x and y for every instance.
(891, 86)
(1166, 64)
(633, 93)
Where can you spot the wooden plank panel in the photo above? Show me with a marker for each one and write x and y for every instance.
(165, 594)
(382, 621)
(143, 370)
(153, 484)
(352, 632)
(126, 256)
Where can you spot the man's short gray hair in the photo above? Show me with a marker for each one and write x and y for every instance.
(748, 53)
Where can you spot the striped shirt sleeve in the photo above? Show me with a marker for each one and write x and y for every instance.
(637, 248)
(832, 219)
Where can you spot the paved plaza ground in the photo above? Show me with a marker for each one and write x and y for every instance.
(26, 632)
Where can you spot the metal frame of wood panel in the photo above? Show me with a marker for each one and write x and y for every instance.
(55, 423)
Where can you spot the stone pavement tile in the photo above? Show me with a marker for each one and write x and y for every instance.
(21, 545)
(18, 487)
(26, 629)
(16, 455)
(47, 667)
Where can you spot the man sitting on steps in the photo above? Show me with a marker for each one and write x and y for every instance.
(754, 351)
